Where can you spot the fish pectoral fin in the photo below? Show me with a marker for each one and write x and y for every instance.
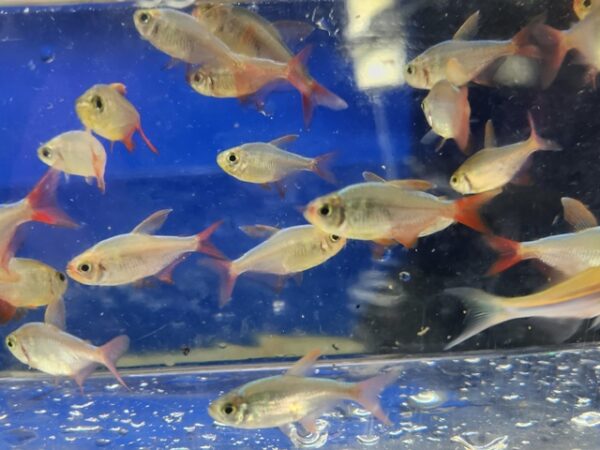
(7, 311)
(55, 313)
(595, 323)
(407, 237)
(577, 214)
(281, 189)
(298, 277)
(98, 170)
(456, 73)
(90, 180)
(166, 275)
(429, 138)
(304, 365)
(490, 135)
(119, 87)
(152, 223)
(83, 373)
(259, 231)
(284, 140)
(309, 423)
(469, 29)
(438, 148)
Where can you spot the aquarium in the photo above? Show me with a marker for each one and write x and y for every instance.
(299, 224)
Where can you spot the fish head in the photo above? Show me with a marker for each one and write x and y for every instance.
(232, 161)
(230, 409)
(202, 81)
(146, 22)
(331, 243)
(459, 181)
(85, 269)
(58, 283)
(15, 346)
(582, 8)
(47, 154)
(326, 213)
(416, 74)
(93, 106)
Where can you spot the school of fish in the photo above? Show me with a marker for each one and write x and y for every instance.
(232, 52)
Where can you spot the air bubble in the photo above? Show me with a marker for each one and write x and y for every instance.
(404, 276)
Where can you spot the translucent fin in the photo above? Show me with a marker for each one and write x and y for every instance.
(490, 135)
(84, 373)
(152, 224)
(577, 214)
(7, 312)
(320, 166)
(227, 278)
(303, 366)
(293, 32)
(284, 140)
(367, 394)
(259, 231)
(55, 314)
(110, 354)
(539, 142)
(456, 73)
(469, 29)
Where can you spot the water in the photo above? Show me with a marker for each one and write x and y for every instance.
(531, 385)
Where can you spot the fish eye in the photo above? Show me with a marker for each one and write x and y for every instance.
(144, 18)
(61, 276)
(587, 3)
(46, 152)
(334, 238)
(228, 409)
(325, 210)
(409, 69)
(454, 179)
(197, 78)
(98, 103)
(10, 342)
(84, 267)
(232, 157)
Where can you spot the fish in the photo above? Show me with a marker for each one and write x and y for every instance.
(76, 153)
(295, 397)
(39, 206)
(127, 258)
(248, 33)
(568, 253)
(494, 167)
(46, 347)
(392, 210)
(105, 110)
(448, 113)
(266, 162)
(583, 8)
(36, 284)
(577, 297)
(285, 252)
(461, 60)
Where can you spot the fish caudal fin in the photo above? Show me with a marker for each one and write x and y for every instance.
(367, 394)
(312, 92)
(483, 311)
(466, 210)
(538, 142)
(463, 135)
(146, 140)
(554, 47)
(320, 164)
(523, 44)
(7, 312)
(205, 245)
(227, 277)
(110, 354)
(42, 200)
(509, 254)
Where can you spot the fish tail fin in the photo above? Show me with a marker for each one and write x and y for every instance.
(43, 204)
(463, 138)
(466, 210)
(110, 354)
(367, 394)
(128, 142)
(510, 254)
(523, 45)
(538, 142)
(204, 245)
(7, 312)
(483, 311)
(312, 92)
(320, 166)
(554, 47)
(146, 140)
(227, 276)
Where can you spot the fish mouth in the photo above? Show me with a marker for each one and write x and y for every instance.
(309, 212)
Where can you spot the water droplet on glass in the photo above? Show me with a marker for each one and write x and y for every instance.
(587, 419)
(368, 439)
(404, 276)
(278, 306)
(47, 54)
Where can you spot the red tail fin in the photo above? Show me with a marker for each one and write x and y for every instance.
(312, 92)
(111, 352)
(42, 200)
(554, 48)
(509, 254)
(227, 276)
(523, 43)
(466, 210)
(146, 140)
(319, 166)
(367, 392)
(204, 244)
(7, 312)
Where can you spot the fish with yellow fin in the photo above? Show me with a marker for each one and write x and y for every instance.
(46, 347)
(267, 163)
(104, 109)
(461, 60)
(294, 397)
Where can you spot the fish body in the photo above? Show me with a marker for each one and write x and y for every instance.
(104, 109)
(381, 211)
(47, 348)
(577, 298)
(294, 397)
(126, 258)
(266, 162)
(76, 153)
(448, 112)
(493, 167)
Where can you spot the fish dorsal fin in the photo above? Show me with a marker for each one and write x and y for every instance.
(489, 140)
(410, 184)
(304, 365)
(55, 314)
(456, 73)
(469, 29)
(284, 140)
(373, 177)
(259, 231)
(577, 214)
(293, 32)
(119, 87)
(151, 224)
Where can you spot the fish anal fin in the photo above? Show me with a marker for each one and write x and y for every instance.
(407, 237)
(259, 231)
(284, 140)
(577, 214)
(293, 32)
(303, 366)
(380, 246)
(153, 222)
(490, 135)
(309, 423)
(166, 275)
(298, 277)
(469, 29)
(456, 73)
(83, 373)
(128, 142)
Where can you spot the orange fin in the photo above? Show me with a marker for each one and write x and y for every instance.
(128, 142)
(42, 201)
(228, 278)
(466, 210)
(577, 214)
(7, 312)
(98, 171)
(409, 240)
(166, 275)
(509, 254)
(205, 245)
(146, 140)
